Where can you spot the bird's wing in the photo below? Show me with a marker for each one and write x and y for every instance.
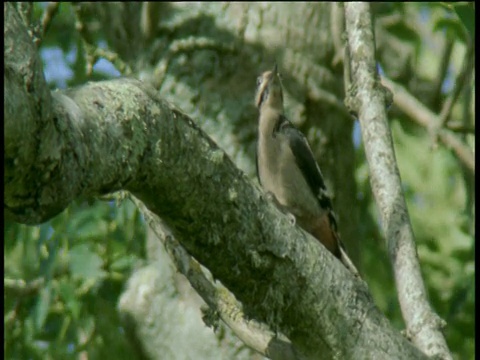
(306, 162)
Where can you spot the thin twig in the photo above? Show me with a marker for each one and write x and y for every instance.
(346, 55)
(460, 83)
(22, 288)
(93, 52)
(48, 15)
(423, 116)
(442, 71)
(460, 128)
(469, 181)
(184, 46)
(337, 28)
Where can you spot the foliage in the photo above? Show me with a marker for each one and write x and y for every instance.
(80, 261)
(435, 187)
(63, 278)
(435, 197)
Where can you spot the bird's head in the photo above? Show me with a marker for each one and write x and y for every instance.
(269, 90)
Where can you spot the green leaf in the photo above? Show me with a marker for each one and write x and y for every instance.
(453, 27)
(404, 32)
(85, 264)
(67, 293)
(466, 14)
(42, 307)
(124, 263)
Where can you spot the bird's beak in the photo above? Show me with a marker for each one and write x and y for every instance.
(275, 68)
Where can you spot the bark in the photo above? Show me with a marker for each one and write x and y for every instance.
(367, 99)
(216, 54)
(224, 221)
(120, 134)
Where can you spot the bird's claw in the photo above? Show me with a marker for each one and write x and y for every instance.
(291, 218)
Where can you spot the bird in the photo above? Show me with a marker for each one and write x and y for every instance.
(288, 172)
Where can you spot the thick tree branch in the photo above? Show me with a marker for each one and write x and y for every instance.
(220, 218)
(120, 135)
(256, 335)
(27, 108)
(367, 99)
(213, 209)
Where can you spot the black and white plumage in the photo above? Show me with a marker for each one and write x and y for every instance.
(287, 169)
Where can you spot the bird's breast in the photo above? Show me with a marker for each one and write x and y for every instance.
(280, 175)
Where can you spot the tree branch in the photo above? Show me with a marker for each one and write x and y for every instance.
(424, 117)
(50, 11)
(442, 72)
(119, 134)
(21, 288)
(367, 99)
(256, 335)
(461, 81)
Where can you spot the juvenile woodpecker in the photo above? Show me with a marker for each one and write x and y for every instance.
(287, 169)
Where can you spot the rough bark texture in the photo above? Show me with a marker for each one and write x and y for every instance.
(230, 227)
(121, 135)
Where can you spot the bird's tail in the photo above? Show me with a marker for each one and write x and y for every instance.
(347, 262)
